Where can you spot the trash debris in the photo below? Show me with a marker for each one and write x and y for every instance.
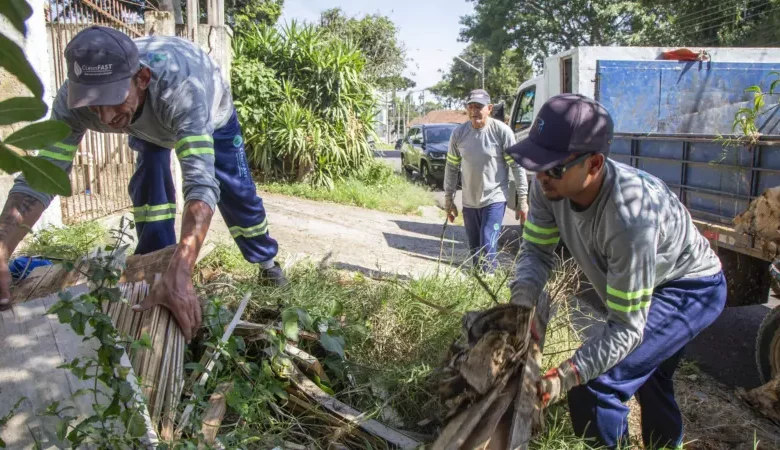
(762, 220)
(764, 399)
(489, 385)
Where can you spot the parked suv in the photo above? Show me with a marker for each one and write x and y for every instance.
(424, 149)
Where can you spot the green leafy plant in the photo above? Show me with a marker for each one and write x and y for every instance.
(745, 120)
(118, 420)
(305, 102)
(41, 174)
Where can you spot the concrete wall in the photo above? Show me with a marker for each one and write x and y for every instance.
(37, 51)
(217, 42)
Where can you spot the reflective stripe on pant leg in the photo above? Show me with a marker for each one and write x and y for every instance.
(154, 197)
(239, 203)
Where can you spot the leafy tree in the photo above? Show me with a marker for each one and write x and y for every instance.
(242, 14)
(540, 28)
(503, 73)
(377, 38)
(723, 22)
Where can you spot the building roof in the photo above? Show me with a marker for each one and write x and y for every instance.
(441, 116)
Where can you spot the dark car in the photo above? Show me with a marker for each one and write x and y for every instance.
(425, 150)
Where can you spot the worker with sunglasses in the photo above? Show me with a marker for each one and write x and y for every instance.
(661, 282)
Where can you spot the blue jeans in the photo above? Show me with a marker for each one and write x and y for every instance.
(152, 187)
(483, 227)
(679, 310)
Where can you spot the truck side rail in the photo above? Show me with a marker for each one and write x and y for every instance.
(715, 177)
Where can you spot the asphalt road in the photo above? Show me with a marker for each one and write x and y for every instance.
(725, 350)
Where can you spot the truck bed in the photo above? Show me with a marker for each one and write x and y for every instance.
(674, 119)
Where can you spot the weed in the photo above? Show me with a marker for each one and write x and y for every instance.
(375, 187)
(68, 243)
(688, 367)
(396, 333)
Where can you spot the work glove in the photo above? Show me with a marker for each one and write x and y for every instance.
(450, 209)
(522, 295)
(556, 382)
(521, 214)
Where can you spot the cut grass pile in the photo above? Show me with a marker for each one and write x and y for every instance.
(68, 243)
(394, 342)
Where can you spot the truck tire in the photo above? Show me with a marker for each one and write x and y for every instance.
(768, 346)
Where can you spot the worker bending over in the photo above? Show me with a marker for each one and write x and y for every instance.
(165, 93)
(659, 278)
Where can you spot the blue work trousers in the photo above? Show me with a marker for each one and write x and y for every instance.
(154, 197)
(483, 227)
(679, 310)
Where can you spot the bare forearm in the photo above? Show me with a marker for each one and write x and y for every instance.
(195, 225)
(19, 215)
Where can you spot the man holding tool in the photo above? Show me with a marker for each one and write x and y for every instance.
(659, 278)
(165, 93)
(478, 147)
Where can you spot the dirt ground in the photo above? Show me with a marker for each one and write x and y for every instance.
(358, 239)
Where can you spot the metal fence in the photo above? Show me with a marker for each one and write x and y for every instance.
(104, 163)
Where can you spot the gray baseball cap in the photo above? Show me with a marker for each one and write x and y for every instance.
(101, 63)
(479, 96)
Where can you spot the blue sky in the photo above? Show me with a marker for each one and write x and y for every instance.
(428, 28)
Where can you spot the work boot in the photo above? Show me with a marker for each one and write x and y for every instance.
(272, 276)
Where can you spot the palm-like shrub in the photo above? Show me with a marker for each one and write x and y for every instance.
(303, 101)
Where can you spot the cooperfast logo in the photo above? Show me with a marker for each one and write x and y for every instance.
(91, 71)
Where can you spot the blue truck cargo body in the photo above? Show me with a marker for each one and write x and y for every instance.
(670, 120)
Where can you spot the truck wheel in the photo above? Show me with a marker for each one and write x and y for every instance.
(775, 287)
(768, 346)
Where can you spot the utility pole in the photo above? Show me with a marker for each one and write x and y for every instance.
(482, 72)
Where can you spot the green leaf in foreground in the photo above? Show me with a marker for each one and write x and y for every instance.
(10, 161)
(333, 344)
(45, 176)
(21, 109)
(137, 427)
(17, 12)
(38, 135)
(12, 59)
(290, 323)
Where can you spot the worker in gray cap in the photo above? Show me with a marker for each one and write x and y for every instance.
(478, 150)
(165, 93)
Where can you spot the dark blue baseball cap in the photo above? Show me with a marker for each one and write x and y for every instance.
(101, 63)
(566, 124)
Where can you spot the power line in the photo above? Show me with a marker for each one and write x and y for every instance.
(715, 41)
(729, 16)
(723, 8)
(689, 18)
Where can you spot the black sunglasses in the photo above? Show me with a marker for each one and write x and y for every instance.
(558, 171)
